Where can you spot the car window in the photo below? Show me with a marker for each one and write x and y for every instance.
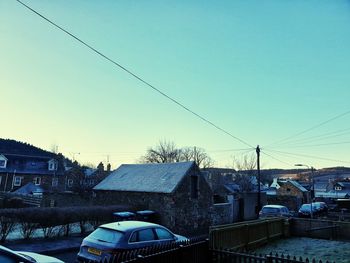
(106, 235)
(270, 210)
(164, 234)
(7, 259)
(133, 237)
(146, 235)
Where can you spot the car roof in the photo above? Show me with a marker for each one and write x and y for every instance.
(125, 226)
(12, 252)
(273, 206)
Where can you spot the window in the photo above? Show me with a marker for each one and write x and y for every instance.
(70, 182)
(133, 238)
(2, 163)
(53, 165)
(163, 234)
(7, 259)
(107, 235)
(37, 180)
(146, 235)
(338, 188)
(194, 186)
(17, 181)
(288, 189)
(54, 182)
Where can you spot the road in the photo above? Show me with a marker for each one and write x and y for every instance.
(68, 257)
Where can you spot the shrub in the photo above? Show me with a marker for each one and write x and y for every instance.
(48, 218)
(6, 223)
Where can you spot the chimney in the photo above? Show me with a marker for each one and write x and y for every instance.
(100, 167)
(108, 167)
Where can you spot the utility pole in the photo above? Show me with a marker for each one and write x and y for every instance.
(258, 207)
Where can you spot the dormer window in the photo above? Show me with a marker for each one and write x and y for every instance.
(53, 164)
(338, 188)
(3, 161)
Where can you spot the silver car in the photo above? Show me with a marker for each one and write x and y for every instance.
(109, 240)
(274, 211)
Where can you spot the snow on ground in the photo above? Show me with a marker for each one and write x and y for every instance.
(320, 249)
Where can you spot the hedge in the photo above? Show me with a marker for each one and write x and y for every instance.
(47, 218)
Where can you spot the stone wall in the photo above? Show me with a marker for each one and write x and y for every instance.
(222, 214)
(290, 190)
(324, 229)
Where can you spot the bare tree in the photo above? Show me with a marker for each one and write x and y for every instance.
(245, 175)
(167, 152)
(164, 152)
(196, 154)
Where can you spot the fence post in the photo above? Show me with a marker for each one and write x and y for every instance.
(269, 259)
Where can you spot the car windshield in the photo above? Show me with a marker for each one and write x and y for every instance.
(270, 210)
(106, 235)
(305, 207)
(27, 257)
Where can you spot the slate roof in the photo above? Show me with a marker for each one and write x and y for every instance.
(321, 186)
(333, 194)
(297, 185)
(155, 177)
(29, 188)
(27, 164)
(232, 188)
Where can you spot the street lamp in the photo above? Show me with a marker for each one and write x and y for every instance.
(313, 185)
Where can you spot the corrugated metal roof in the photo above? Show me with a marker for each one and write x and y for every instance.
(158, 178)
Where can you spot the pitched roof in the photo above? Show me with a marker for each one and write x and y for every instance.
(333, 194)
(29, 188)
(27, 164)
(297, 185)
(155, 177)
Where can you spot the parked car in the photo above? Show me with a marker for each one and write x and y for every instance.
(11, 256)
(321, 207)
(305, 210)
(110, 239)
(274, 210)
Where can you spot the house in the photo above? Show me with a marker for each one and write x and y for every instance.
(178, 192)
(343, 186)
(93, 176)
(293, 188)
(288, 193)
(17, 170)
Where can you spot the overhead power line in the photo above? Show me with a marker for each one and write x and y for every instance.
(269, 155)
(317, 145)
(134, 75)
(309, 129)
(309, 139)
(308, 156)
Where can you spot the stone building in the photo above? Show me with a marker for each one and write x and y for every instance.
(176, 191)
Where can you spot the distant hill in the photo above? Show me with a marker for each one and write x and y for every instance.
(8, 146)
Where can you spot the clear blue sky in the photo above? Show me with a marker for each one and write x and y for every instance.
(262, 70)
